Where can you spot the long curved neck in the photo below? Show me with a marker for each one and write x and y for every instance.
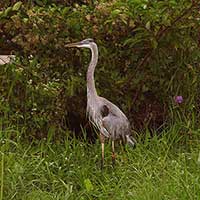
(91, 90)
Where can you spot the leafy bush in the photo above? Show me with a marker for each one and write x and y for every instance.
(149, 53)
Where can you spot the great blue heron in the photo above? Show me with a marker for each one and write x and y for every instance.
(107, 117)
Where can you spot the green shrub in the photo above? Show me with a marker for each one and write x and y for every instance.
(149, 53)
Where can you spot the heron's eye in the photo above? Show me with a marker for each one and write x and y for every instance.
(90, 40)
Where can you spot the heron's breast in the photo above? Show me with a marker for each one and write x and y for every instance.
(94, 113)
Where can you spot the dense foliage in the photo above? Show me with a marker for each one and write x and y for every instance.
(149, 53)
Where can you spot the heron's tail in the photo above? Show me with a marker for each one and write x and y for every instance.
(130, 140)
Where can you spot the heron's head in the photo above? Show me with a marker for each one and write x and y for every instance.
(87, 43)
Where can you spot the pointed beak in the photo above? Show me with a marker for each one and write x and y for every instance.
(76, 44)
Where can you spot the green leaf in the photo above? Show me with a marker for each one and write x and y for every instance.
(40, 3)
(145, 88)
(7, 11)
(17, 6)
(65, 10)
(51, 132)
(1, 13)
(88, 185)
(148, 25)
(115, 12)
(154, 43)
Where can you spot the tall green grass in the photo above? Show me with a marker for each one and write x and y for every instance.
(164, 167)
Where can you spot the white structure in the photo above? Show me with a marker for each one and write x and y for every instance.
(6, 59)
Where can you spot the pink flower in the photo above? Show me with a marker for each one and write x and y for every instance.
(178, 99)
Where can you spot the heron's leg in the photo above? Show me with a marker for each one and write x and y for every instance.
(102, 139)
(122, 144)
(113, 153)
